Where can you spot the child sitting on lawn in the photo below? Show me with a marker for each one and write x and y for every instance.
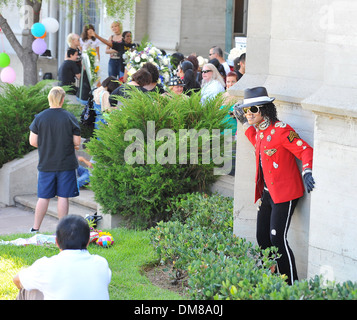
(73, 274)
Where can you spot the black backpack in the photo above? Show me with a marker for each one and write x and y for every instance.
(88, 114)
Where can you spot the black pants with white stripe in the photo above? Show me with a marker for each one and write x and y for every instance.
(273, 223)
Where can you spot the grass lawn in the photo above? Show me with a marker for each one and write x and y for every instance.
(131, 251)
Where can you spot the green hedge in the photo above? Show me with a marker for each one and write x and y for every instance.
(141, 191)
(219, 265)
(18, 106)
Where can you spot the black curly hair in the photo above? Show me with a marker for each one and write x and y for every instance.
(269, 110)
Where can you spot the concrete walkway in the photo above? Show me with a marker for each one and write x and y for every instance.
(20, 220)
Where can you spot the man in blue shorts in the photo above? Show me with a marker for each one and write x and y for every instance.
(56, 134)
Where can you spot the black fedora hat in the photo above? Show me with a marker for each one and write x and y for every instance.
(256, 97)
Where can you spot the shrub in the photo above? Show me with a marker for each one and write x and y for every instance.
(18, 106)
(141, 191)
(219, 265)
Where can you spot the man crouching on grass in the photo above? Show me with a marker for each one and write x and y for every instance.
(73, 274)
(56, 134)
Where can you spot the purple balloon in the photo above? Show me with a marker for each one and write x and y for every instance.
(8, 75)
(39, 46)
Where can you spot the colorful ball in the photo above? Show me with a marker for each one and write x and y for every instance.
(93, 236)
(8, 75)
(105, 241)
(38, 29)
(4, 60)
(39, 46)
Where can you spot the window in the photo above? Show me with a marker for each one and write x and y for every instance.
(240, 18)
(90, 14)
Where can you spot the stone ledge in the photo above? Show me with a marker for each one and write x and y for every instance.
(18, 177)
(333, 100)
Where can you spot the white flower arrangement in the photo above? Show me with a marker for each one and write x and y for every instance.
(236, 53)
(137, 58)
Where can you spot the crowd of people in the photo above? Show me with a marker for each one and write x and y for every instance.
(187, 74)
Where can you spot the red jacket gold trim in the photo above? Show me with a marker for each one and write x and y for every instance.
(277, 146)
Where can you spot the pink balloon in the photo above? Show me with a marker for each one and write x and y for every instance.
(39, 46)
(8, 75)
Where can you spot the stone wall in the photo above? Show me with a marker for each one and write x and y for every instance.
(18, 177)
(184, 26)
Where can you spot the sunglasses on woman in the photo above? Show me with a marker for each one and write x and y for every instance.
(252, 109)
(206, 71)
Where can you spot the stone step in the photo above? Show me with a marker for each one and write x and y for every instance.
(85, 199)
(82, 205)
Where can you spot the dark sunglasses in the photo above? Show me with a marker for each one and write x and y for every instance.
(252, 109)
(205, 71)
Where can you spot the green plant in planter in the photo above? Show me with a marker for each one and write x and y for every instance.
(140, 153)
(201, 243)
(221, 266)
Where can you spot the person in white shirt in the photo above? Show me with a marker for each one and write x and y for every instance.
(212, 82)
(88, 41)
(73, 274)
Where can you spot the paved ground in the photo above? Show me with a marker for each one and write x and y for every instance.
(18, 220)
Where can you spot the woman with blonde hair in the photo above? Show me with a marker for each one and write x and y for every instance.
(73, 41)
(120, 47)
(115, 60)
(212, 82)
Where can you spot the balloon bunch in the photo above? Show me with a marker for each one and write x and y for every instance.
(40, 30)
(39, 46)
(7, 73)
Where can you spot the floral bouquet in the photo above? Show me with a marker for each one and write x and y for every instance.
(91, 64)
(236, 53)
(148, 53)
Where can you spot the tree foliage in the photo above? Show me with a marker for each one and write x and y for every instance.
(116, 9)
(18, 106)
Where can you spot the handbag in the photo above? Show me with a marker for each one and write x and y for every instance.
(88, 114)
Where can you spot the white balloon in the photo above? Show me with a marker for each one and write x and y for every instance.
(51, 24)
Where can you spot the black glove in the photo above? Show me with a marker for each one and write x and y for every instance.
(239, 114)
(309, 181)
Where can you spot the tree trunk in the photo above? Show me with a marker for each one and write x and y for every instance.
(29, 59)
(24, 52)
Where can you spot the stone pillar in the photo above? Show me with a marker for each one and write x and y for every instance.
(333, 219)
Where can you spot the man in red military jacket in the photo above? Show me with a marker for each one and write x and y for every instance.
(279, 184)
